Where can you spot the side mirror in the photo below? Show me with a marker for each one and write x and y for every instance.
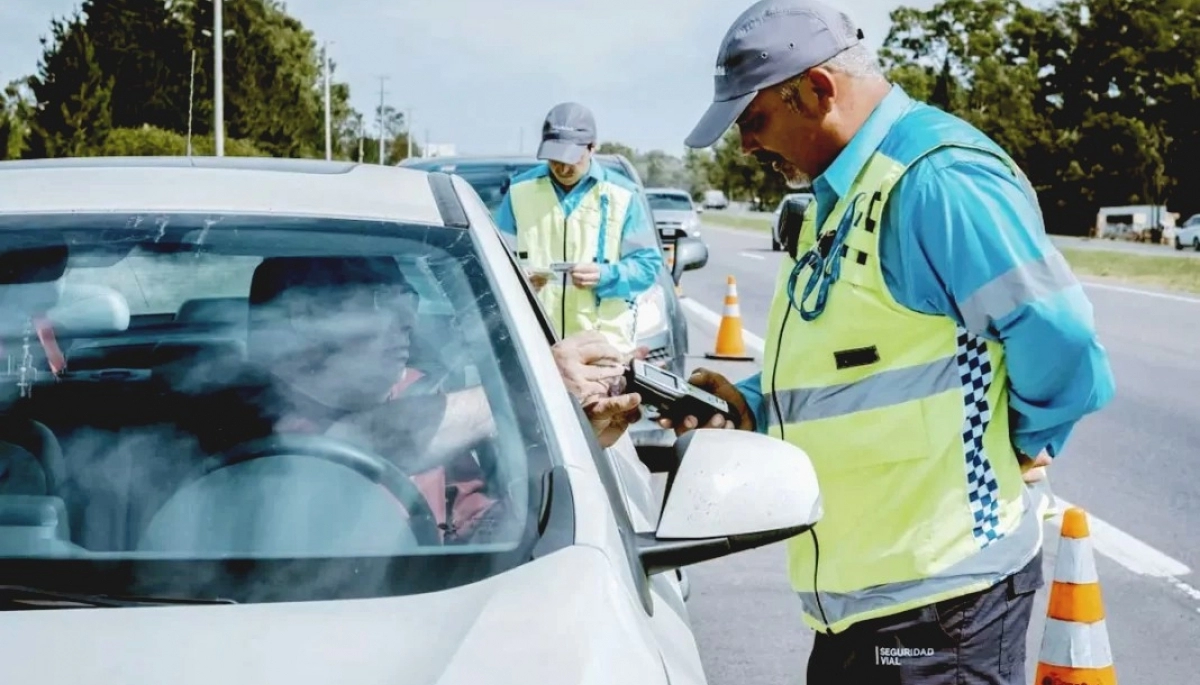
(690, 254)
(733, 491)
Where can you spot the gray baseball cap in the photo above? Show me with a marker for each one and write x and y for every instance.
(769, 43)
(568, 130)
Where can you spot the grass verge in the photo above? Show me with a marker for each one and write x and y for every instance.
(741, 221)
(1173, 273)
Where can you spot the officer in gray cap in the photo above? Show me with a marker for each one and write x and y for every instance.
(581, 231)
(927, 347)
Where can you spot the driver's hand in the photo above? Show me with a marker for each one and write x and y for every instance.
(721, 387)
(611, 416)
(590, 365)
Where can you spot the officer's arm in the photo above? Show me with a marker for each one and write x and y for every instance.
(641, 258)
(751, 389)
(969, 243)
(505, 219)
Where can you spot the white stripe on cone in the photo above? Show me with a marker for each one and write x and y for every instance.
(1076, 561)
(1068, 644)
(733, 310)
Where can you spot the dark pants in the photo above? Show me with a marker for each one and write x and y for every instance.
(978, 639)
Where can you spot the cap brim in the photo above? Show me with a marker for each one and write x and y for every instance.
(561, 151)
(717, 120)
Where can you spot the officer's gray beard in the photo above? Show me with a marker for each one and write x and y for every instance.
(792, 176)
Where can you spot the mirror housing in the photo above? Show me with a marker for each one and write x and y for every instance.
(733, 491)
(690, 254)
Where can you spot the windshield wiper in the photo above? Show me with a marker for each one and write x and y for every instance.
(39, 598)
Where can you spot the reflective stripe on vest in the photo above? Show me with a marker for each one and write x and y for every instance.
(591, 234)
(905, 417)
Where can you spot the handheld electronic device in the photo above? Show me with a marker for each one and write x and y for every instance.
(673, 397)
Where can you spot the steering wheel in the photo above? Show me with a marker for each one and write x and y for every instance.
(368, 465)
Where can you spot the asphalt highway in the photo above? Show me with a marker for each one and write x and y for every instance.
(1133, 467)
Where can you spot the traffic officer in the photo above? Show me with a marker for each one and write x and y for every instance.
(926, 345)
(588, 221)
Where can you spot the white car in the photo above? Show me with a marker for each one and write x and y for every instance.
(1188, 235)
(202, 481)
(675, 214)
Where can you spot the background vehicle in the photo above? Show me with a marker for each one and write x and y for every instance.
(257, 549)
(801, 200)
(1188, 235)
(675, 214)
(661, 323)
(1139, 223)
(715, 199)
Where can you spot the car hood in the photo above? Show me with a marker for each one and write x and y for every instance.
(680, 215)
(563, 619)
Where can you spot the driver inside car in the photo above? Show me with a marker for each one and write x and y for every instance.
(329, 343)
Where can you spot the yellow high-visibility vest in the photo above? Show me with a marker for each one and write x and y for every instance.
(904, 415)
(592, 233)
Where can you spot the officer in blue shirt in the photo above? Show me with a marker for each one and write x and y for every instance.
(573, 210)
(961, 241)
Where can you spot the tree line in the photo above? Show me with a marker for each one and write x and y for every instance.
(1097, 100)
(123, 77)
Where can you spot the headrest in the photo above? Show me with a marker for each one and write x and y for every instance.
(85, 309)
(33, 265)
(275, 275)
(230, 311)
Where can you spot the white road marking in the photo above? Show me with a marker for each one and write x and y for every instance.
(752, 256)
(1138, 291)
(753, 342)
(1108, 540)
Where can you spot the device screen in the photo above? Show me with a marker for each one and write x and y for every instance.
(661, 377)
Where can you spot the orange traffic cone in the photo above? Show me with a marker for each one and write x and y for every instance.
(730, 345)
(1075, 645)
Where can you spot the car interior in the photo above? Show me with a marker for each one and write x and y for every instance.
(103, 453)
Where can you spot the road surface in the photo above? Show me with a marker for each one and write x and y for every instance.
(1127, 246)
(1133, 466)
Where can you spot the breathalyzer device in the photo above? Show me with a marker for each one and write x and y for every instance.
(673, 397)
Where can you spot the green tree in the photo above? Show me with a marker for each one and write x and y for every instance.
(73, 94)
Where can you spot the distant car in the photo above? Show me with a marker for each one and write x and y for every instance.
(154, 496)
(715, 199)
(661, 322)
(675, 214)
(1188, 235)
(802, 199)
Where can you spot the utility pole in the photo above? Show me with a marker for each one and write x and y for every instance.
(382, 79)
(219, 84)
(328, 106)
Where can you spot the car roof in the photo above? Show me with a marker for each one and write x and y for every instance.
(669, 191)
(231, 185)
(450, 163)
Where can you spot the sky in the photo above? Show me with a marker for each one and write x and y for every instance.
(481, 74)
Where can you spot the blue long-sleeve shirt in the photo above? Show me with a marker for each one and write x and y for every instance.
(961, 237)
(641, 259)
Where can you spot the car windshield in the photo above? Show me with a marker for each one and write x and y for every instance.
(259, 408)
(670, 202)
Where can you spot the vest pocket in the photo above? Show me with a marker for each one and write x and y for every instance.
(866, 438)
